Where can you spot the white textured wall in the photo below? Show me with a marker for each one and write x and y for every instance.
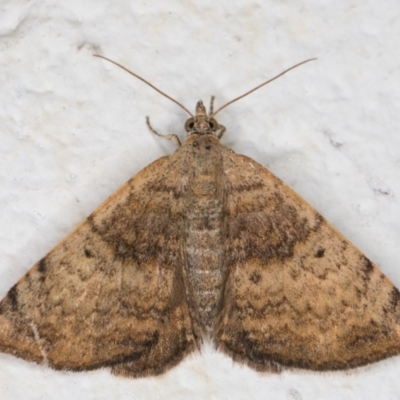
(72, 130)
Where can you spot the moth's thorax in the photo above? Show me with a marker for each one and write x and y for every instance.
(204, 219)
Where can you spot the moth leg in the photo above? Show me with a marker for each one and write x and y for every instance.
(221, 132)
(170, 136)
(211, 106)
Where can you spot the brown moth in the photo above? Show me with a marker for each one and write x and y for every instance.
(204, 243)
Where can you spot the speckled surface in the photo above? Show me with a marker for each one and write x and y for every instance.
(73, 130)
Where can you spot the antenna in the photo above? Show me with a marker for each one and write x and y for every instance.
(259, 86)
(144, 80)
(219, 109)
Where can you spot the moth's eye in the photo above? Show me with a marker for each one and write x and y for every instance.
(189, 125)
(213, 124)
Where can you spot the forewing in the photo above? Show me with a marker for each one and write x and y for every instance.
(112, 293)
(297, 292)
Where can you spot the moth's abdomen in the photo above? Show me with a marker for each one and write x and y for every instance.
(204, 255)
(204, 241)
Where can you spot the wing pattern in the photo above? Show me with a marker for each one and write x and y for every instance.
(203, 242)
(113, 292)
(298, 294)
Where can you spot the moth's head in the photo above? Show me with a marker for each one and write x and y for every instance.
(201, 123)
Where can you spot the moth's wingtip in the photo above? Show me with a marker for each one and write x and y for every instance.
(14, 343)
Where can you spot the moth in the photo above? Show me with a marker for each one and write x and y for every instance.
(204, 244)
